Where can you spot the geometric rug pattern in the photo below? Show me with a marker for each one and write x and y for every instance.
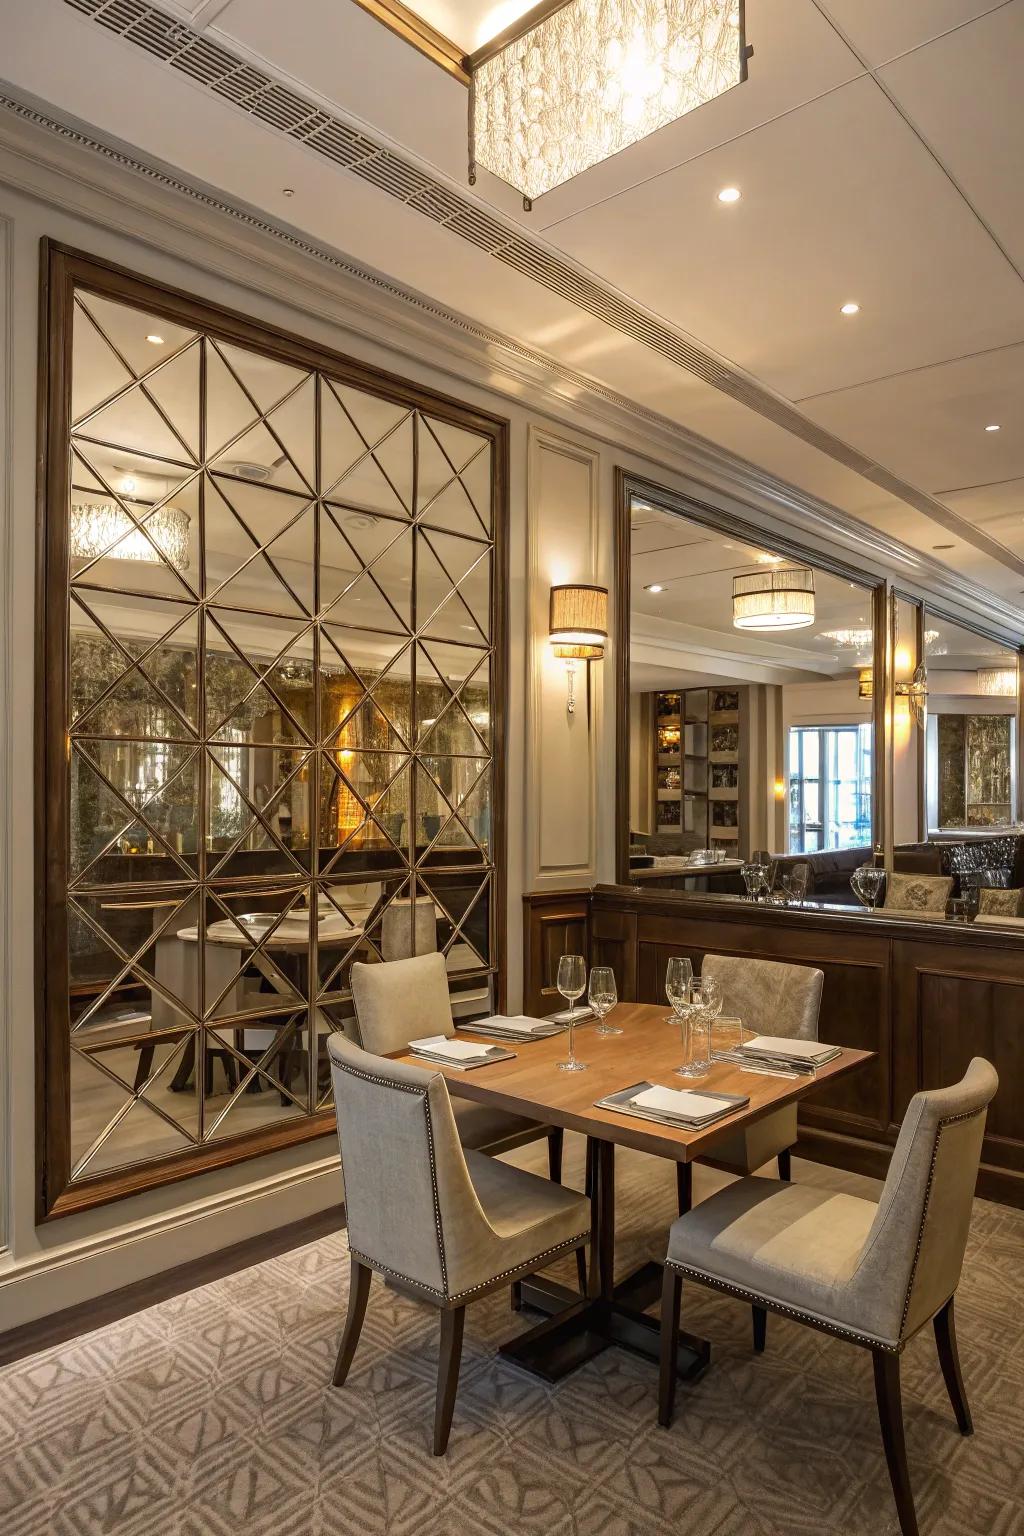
(210, 1414)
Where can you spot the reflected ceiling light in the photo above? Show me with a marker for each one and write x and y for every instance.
(993, 428)
(105, 529)
(729, 195)
(998, 682)
(849, 309)
(773, 600)
(550, 98)
(849, 639)
(155, 340)
(654, 587)
(578, 629)
(770, 559)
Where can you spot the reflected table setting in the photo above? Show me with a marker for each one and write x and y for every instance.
(575, 1329)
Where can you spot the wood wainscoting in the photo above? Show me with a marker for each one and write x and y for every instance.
(925, 997)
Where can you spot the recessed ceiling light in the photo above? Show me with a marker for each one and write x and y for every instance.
(849, 309)
(729, 195)
(654, 587)
(993, 428)
(155, 340)
(288, 191)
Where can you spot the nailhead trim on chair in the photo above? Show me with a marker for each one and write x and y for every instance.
(968, 1114)
(567, 1245)
(385, 1082)
(776, 1306)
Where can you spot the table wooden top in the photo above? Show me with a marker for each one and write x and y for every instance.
(648, 1050)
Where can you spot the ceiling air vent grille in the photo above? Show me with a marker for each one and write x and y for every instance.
(285, 110)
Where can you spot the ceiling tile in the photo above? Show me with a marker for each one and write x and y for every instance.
(840, 201)
(882, 29)
(940, 88)
(998, 508)
(929, 425)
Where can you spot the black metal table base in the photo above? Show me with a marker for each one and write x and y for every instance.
(579, 1328)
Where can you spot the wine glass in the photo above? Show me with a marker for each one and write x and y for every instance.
(695, 1029)
(710, 990)
(753, 879)
(571, 981)
(602, 997)
(678, 976)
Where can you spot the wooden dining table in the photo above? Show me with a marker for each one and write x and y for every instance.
(576, 1328)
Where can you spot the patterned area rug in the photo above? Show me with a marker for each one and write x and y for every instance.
(209, 1414)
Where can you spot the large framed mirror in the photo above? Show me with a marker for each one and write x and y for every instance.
(271, 711)
(748, 706)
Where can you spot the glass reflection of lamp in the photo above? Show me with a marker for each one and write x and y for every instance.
(102, 529)
(578, 628)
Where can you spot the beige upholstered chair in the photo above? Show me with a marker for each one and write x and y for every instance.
(918, 893)
(450, 1225)
(771, 999)
(405, 1000)
(871, 1274)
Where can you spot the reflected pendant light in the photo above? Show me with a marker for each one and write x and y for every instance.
(552, 97)
(771, 600)
(105, 529)
(997, 682)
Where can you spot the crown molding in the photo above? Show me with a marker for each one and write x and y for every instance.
(65, 164)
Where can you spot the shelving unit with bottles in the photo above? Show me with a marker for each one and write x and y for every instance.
(698, 766)
(724, 727)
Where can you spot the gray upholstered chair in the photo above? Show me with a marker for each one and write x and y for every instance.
(771, 999)
(449, 1224)
(872, 1274)
(918, 893)
(405, 1000)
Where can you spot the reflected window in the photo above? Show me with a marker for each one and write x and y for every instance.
(829, 787)
(276, 755)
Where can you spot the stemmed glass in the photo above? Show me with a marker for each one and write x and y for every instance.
(602, 997)
(571, 981)
(753, 879)
(695, 1028)
(678, 976)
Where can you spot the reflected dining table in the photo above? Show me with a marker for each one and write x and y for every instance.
(577, 1328)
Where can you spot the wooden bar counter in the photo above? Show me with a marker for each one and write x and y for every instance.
(925, 996)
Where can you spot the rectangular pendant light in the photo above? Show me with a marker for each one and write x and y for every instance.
(549, 98)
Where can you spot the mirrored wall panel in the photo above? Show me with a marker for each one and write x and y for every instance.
(971, 754)
(275, 747)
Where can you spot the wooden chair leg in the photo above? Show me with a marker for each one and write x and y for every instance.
(785, 1161)
(890, 1417)
(556, 1142)
(581, 1270)
(760, 1328)
(684, 1187)
(517, 1295)
(145, 1066)
(949, 1359)
(449, 1359)
(671, 1296)
(358, 1291)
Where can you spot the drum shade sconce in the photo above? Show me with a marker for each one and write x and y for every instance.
(578, 628)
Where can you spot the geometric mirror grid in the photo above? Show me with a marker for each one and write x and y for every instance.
(273, 706)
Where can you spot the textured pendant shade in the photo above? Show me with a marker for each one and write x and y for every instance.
(591, 77)
(105, 529)
(773, 600)
(578, 622)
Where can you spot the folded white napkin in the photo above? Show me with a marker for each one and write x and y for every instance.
(513, 1024)
(783, 1045)
(455, 1050)
(682, 1102)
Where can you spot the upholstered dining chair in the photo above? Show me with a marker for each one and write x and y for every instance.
(451, 1225)
(771, 999)
(871, 1274)
(918, 893)
(403, 1000)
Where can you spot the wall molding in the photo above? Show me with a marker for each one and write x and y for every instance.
(6, 742)
(76, 164)
(587, 720)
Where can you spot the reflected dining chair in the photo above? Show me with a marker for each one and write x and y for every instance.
(450, 1225)
(870, 1274)
(769, 998)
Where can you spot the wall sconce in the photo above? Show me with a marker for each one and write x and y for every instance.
(578, 628)
(914, 690)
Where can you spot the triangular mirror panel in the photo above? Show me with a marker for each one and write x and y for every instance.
(160, 780)
(105, 834)
(125, 544)
(441, 613)
(452, 509)
(367, 487)
(110, 697)
(264, 694)
(294, 423)
(266, 379)
(175, 389)
(133, 423)
(341, 446)
(258, 458)
(478, 481)
(260, 547)
(458, 445)
(139, 1136)
(128, 331)
(258, 802)
(374, 418)
(96, 370)
(229, 413)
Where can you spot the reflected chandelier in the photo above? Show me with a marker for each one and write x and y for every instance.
(549, 98)
(106, 529)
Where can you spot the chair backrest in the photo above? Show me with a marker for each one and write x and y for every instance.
(769, 997)
(401, 1000)
(410, 1204)
(910, 1264)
